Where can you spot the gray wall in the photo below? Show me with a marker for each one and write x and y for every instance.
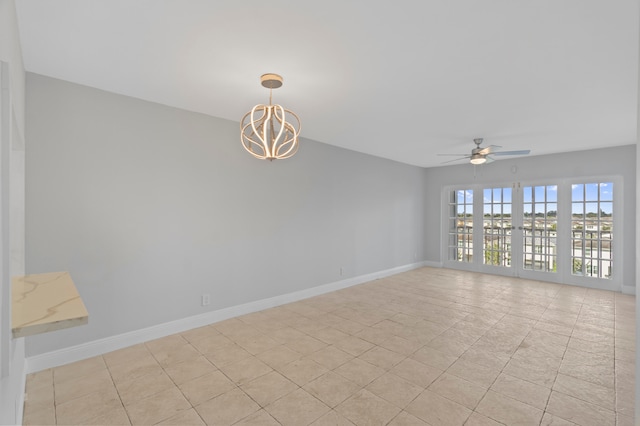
(149, 207)
(616, 161)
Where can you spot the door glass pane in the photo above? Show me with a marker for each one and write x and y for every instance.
(460, 246)
(539, 230)
(592, 229)
(497, 227)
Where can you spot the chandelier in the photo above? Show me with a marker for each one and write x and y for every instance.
(267, 131)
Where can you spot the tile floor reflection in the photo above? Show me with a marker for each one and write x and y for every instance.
(425, 347)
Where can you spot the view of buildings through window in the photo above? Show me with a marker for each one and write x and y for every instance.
(591, 227)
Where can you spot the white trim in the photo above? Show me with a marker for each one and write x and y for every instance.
(101, 346)
(629, 289)
(432, 264)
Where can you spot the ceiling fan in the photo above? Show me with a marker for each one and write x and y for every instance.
(481, 155)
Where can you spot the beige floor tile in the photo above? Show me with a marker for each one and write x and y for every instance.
(551, 420)
(286, 334)
(259, 418)
(40, 398)
(437, 410)
(586, 391)
(401, 345)
(306, 345)
(74, 388)
(329, 335)
(477, 419)
(373, 335)
(332, 418)
(116, 417)
(553, 328)
(459, 390)
(266, 389)
(508, 410)
(227, 409)
(278, 356)
(522, 390)
(475, 373)
(297, 408)
(206, 387)
(187, 370)
(578, 411)
(622, 420)
(366, 408)
(539, 370)
(359, 371)
(78, 369)
(580, 345)
(226, 355)
(138, 367)
(331, 388)
(381, 357)
(345, 325)
(486, 358)
(126, 355)
(42, 416)
(164, 343)
(157, 407)
(602, 375)
(331, 357)
(302, 371)
(434, 358)
(80, 410)
(353, 345)
(133, 390)
(199, 333)
(184, 418)
(231, 326)
(257, 344)
(416, 372)
(406, 419)
(168, 356)
(394, 389)
(245, 370)
(212, 343)
(448, 346)
(40, 378)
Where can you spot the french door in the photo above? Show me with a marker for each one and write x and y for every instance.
(557, 232)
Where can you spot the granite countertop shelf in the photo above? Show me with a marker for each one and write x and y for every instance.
(45, 302)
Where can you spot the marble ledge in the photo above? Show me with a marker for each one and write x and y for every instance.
(45, 302)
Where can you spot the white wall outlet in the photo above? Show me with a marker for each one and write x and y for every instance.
(206, 299)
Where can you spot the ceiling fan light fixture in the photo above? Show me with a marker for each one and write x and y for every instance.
(270, 132)
(477, 159)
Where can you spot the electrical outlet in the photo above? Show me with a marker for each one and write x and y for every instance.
(206, 299)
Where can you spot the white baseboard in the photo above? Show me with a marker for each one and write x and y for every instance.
(432, 264)
(629, 289)
(102, 346)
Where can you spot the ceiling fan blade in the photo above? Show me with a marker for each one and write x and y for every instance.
(466, 157)
(451, 155)
(489, 149)
(521, 152)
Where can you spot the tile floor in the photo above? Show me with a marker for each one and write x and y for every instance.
(425, 347)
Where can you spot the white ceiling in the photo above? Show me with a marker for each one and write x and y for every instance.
(403, 79)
